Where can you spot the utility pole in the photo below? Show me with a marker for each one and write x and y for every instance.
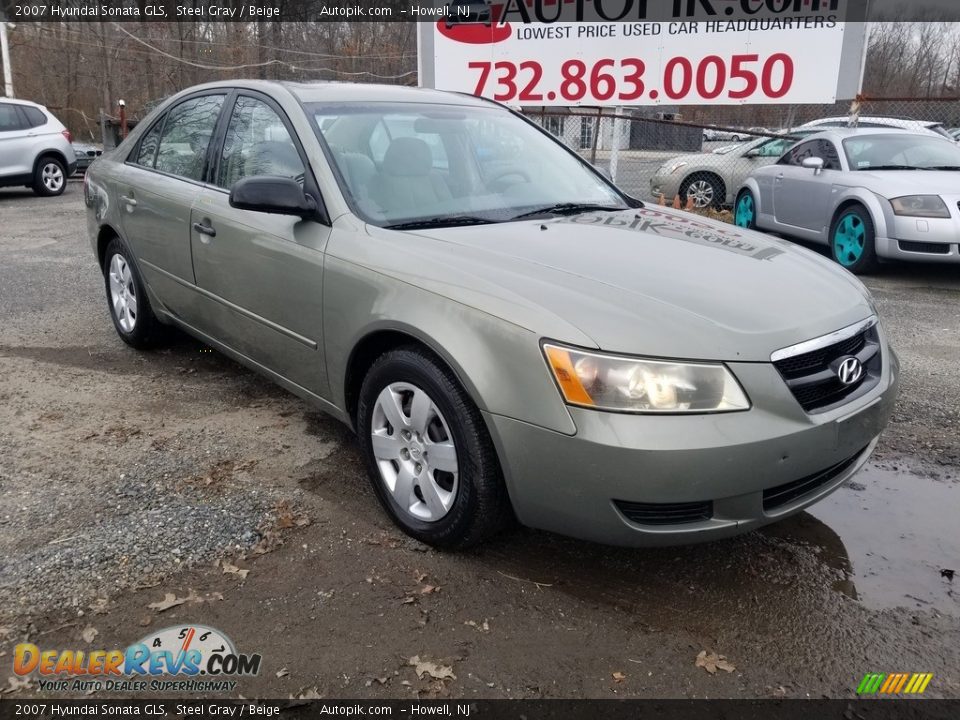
(5, 58)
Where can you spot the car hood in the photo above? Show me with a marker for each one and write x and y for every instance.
(708, 159)
(651, 281)
(895, 183)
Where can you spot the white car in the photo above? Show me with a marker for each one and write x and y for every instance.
(35, 149)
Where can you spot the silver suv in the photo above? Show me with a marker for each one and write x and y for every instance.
(35, 148)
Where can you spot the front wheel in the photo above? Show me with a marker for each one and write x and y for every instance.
(745, 211)
(431, 462)
(852, 240)
(703, 189)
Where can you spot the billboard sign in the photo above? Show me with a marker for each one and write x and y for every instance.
(810, 59)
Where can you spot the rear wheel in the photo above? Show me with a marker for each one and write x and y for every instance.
(127, 298)
(49, 177)
(745, 210)
(852, 240)
(431, 462)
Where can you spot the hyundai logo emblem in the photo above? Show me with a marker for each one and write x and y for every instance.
(850, 370)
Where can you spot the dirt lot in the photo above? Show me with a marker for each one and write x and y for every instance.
(127, 476)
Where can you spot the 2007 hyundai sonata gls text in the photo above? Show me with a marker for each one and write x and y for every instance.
(507, 332)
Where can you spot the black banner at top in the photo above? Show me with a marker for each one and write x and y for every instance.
(456, 11)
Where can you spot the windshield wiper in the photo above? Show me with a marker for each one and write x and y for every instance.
(944, 167)
(892, 167)
(437, 222)
(567, 208)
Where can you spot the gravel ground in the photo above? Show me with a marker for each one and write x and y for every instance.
(125, 476)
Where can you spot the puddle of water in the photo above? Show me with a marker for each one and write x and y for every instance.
(890, 533)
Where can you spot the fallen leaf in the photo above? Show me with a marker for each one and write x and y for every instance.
(427, 589)
(619, 677)
(89, 633)
(169, 601)
(232, 569)
(145, 620)
(282, 672)
(711, 662)
(99, 606)
(419, 576)
(438, 672)
(310, 694)
(408, 600)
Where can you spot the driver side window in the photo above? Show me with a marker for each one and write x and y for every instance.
(257, 143)
(801, 152)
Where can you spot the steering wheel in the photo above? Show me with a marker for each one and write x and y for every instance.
(509, 172)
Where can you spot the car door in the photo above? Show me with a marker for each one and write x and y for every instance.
(15, 158)
(156, 188)
(801, 196)
(261, 274)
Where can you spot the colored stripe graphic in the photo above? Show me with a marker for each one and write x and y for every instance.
(894, 683)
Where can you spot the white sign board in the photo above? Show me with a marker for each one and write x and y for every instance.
(637, 63)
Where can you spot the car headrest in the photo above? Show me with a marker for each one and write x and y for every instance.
(407, 157)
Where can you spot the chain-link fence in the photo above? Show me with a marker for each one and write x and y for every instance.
(699, 156)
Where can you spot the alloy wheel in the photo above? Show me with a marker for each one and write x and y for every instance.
(701, 191)
(51, 175)
(744, 214)
(849, 239)
(123, 295)
(414, 451)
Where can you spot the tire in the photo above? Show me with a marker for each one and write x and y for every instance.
(127, 299)
(745, 210)
(852, 238)
(49, 177)
(706, 189)
(451, 504)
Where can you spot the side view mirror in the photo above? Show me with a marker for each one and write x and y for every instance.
(755, 152)
(267, 194)
(813, 163)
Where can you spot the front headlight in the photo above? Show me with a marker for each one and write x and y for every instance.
(671, 168)
(625, 384)
(926, 206)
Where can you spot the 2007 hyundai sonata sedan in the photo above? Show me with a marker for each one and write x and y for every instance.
(507, 332)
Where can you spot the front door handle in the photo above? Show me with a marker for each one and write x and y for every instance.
(204, 229)
(129, 200)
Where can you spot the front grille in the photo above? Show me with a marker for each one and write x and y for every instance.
(812, 376)
(788, 492)
(924, 247)
(665, 513)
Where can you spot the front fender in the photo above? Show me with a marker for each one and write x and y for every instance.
(500, 364)
(881, 212)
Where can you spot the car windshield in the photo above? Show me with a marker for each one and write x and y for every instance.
(901, 152)
(406, 163)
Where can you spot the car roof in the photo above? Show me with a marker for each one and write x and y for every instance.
(891, 122)
(336, 92)
(843, 133)
(19, 101)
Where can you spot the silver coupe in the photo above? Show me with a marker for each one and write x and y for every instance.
(867, 194)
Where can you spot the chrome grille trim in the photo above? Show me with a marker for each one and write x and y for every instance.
(824, 340)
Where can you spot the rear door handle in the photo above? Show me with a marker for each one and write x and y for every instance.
(128, 200)
(204, 229)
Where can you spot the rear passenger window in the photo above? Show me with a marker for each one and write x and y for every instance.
(147, 152)
(186, 135)
(9, 119)
(35, 118)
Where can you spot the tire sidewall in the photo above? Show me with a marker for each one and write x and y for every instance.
(752, 225)
(140, 336)
(718, 192)
(38, 186)
(410, 367)
(868, 259)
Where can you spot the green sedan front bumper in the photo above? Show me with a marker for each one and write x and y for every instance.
(627, 479)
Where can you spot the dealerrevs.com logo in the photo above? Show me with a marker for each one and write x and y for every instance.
(188, 658)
